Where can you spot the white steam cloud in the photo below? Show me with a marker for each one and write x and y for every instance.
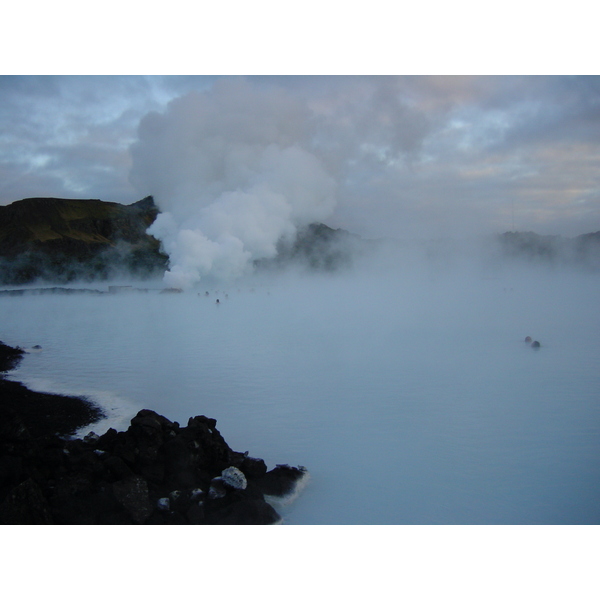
(232, 172)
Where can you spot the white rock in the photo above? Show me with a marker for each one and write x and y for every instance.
(234, 478)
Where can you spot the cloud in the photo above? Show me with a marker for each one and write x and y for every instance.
(232, 171)
(409, 156)
(70, 136)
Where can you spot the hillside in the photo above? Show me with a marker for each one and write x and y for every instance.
(54, 240)
(582, 250)
(60, 240)
(318, 247)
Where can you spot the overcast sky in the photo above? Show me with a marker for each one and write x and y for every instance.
(411, 156)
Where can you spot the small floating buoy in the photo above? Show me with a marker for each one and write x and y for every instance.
(528, 339)
(535, 344)
(217, 302)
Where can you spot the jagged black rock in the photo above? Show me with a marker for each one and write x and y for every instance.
(156, 472)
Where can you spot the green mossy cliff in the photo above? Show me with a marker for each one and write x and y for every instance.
(60, 240)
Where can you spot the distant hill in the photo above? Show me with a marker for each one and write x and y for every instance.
(60, 240)
(316, 247)
(554, 249)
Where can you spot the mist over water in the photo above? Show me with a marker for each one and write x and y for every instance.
(407, 391)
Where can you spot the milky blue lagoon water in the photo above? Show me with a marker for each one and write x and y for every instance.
(411, 397)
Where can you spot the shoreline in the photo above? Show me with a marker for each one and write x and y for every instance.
(154, 473)
(42, 413)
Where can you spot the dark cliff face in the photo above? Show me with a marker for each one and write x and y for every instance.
(62, 240)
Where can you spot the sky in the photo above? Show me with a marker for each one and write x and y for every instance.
(411, 156)
(442, 119)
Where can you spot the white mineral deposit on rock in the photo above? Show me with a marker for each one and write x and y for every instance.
(234, 478)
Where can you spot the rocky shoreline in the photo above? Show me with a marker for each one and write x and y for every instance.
(155, 473)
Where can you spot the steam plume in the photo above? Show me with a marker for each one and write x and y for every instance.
(232, 172)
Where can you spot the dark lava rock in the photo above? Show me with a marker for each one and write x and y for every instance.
(132, 494)
(282, 481)
(48, 413)
(38, 412)
(253, 467)
(244, 511)
(156, 472)
(9, 357)
(25, 504)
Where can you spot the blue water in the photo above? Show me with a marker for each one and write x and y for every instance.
(410, 397)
